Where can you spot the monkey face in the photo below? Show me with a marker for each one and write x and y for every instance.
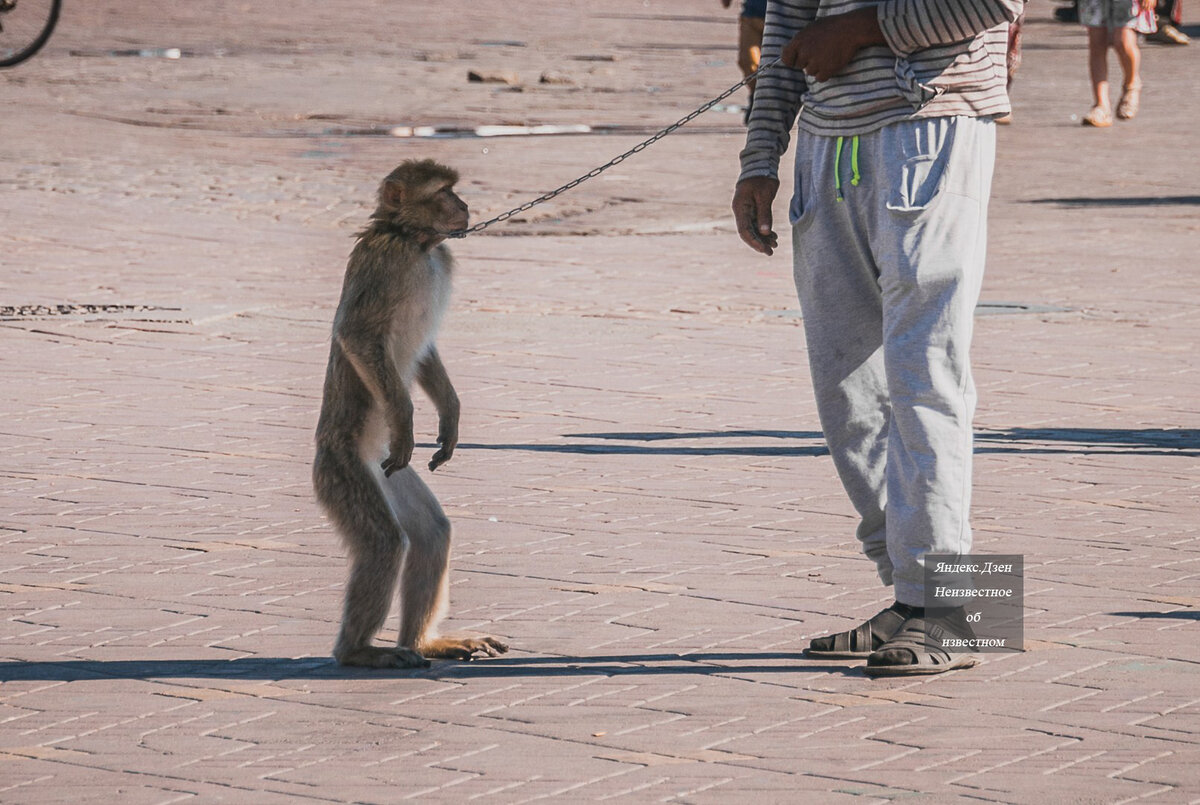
(454, 214)
(419, 196)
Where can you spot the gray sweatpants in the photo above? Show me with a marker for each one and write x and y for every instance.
(889, 231)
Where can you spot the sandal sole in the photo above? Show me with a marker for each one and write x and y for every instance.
(836, 655)
(920, 670)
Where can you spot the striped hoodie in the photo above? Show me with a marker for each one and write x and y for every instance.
(942, 58)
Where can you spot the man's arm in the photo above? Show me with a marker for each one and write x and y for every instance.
(778, 92)
(824, 48)
(777, 98)
(911, 25)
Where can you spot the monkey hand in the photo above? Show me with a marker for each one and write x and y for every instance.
(400, 451)
(448, 439)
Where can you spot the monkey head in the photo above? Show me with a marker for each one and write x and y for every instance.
(418, 197)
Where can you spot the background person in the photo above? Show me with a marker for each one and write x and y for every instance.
(1168, 16)
(1115, 24)
(750, 35)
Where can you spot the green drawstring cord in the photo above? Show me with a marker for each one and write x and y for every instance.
(854, 161)
(837, 164)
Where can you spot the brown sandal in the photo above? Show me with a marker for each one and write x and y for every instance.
(1099, 117)
(860, 641)
(1131, 97)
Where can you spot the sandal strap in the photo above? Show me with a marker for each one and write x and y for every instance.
(862, 639)
(853, 639)
(882, 625)
(921, 637)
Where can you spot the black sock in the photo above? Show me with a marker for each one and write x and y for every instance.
(907, 610)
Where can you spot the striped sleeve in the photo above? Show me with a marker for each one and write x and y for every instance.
(912, 25)
(778, 93)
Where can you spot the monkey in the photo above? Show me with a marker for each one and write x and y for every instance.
(394, 294)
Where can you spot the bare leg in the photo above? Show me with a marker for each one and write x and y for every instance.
(750, 34)
(1098, 65)
(1124, 42)
(1100, 114)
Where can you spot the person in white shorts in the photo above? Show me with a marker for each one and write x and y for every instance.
(1115, 24)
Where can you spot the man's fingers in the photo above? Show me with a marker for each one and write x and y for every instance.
(797, 53)
(762, 214)
(752, 212)
(763, 222)
(746, 227)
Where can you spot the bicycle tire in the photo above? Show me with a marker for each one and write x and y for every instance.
(24, 52)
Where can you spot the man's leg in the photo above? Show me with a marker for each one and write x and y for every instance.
(750, 34)
(837, 282)
(930, 241)
(922, 200)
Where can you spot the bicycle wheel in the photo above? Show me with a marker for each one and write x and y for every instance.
(24, 28)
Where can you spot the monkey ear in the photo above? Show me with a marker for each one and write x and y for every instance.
(392, 194)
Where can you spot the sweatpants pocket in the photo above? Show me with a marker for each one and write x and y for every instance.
(800, 210)
(919, 183)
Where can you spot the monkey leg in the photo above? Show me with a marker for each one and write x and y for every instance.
(424, 579)
(350, 492)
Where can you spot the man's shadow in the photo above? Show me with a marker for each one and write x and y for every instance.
(277, 669)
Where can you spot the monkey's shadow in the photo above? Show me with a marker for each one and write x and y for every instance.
(315, 668)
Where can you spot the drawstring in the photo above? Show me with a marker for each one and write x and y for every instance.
(837, 164)
(854, 161)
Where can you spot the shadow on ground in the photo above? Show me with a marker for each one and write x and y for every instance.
(283, 668)
(624, 444)
(1181, 614)
(1090, 441)
(1077, 441)
(1121, 201)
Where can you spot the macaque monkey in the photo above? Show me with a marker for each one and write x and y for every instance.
(396, 288)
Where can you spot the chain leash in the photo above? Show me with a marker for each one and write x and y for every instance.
(462, 233)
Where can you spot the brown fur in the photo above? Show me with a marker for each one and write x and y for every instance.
(394, 294)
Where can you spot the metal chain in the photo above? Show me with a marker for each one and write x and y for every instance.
(462, 233)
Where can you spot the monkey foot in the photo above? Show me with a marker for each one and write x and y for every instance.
(377, 657)
(463, 648)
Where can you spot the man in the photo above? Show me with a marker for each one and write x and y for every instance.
(895, 142)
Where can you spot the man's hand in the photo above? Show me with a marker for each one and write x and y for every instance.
(824, 47)
(752, 210)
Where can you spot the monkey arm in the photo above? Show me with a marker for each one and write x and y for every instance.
(431, 375)
(377, 371)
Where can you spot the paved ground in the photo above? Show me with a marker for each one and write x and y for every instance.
(642, 504)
